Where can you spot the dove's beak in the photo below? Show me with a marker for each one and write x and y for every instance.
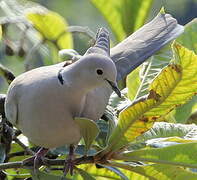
(114, 87)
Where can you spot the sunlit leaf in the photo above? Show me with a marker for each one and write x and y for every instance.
(133, 82)
(19, 173)
(89, 130)
(124, 17)
(85, 174)
(51, 26)
(100, 172)
(172, 87)
(179, 155)
(156, 171)
(189, 40)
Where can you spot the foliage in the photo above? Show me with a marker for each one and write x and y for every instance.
(139, 143)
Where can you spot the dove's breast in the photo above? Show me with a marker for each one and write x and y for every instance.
(44, 112)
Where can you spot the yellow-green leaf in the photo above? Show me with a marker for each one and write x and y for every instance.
(124, 17)
(133, 83)
(156, 171)
(100, 172)
(85, 174)
(179, 155)
(51, 26)
(89, 130)
(174, 86)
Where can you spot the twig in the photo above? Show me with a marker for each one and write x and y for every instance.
(29, 151)
(81, 29)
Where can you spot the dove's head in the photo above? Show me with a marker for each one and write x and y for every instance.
(92, 71)
(99, 70)
(96, 68)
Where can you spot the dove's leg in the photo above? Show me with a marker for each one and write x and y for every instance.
(69, 162)
(37, 158)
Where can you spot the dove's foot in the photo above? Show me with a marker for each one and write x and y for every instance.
(69, 162)
(36, 160)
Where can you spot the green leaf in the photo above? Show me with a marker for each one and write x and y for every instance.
(0, 32)
(85, 175)
(124, 17)
(89, 130)
(172, 87)
(182, 113)
(17, 173)
(179, 155)
(189, 38)
(51, 26)
(46, 176)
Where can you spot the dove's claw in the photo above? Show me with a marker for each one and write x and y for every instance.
(69, 162)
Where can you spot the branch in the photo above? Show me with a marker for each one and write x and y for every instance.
(48, 162)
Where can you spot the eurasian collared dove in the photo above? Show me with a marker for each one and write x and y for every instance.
(44, 102)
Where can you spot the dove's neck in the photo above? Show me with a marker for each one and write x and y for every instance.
(75, 80)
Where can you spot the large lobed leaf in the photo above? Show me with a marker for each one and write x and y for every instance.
(155, 172)
(171, 88)
(50, 25)
(124, 16)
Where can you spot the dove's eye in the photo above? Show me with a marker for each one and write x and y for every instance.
(99, 71)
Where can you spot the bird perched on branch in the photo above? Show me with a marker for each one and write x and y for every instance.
(44, 102)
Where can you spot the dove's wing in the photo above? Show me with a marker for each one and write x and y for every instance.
(142, 44)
